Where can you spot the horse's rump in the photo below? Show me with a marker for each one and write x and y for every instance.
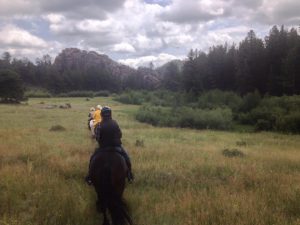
(109, 166)
(108, 174)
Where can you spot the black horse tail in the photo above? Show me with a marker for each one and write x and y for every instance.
(113, 201)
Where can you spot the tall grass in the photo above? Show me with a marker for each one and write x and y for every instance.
(182, 176)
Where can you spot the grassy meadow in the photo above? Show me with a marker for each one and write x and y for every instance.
(182, 177)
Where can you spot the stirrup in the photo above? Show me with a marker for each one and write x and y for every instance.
(88, 180)
(130, 177)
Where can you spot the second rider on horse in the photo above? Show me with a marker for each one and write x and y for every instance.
(108, 134)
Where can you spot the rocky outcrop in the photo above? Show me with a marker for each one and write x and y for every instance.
(71, 59)
(151, 77)
(81, 60)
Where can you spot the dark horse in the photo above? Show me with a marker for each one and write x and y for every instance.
(108, 173)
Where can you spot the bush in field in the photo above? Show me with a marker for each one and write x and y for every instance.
(88, 94)
(131, 97)
(165, 98)
(220, 118)
(287, 103)
(215, 109)
(37, 93)
(102, 93)
(250, 101)
(157, 98)
(216, 99)
(151, 115)
(274, 113)
(289, 123)
(263, 124)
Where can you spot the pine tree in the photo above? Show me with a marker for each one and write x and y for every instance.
(11, 86)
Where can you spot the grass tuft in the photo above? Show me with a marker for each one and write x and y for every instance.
(232, 153)
(139, 143)
(57, 128)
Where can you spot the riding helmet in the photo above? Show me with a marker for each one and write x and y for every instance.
(106, 112)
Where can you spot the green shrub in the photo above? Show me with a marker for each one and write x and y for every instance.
(131, 97)
(102, 93)
(216, 99)
(156, 98)
(89, 94)
(289, 123)
(287, 103)
(245, 118)
(250, 101)
(264, 113)
(262, 124)
(151, 115)
(165, 98)
(215, 109)
(274, 113)
(220, 118)
(37, 93)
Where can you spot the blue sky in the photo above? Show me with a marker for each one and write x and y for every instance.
(136, 32)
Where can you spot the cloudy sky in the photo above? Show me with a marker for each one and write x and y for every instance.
(136, 32)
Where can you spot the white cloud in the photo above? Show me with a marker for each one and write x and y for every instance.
(13, 8)
(61, 26)
(96, 9)
(123, 47)
(33, 53)
(13, 36)
(136, 31)
(54, 18)
(146, 60)
(183, 11)
(143, 42)
(280, 11)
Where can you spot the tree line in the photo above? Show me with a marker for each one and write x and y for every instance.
(270, 66)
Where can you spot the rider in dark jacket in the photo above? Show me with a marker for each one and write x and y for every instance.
(108, 134)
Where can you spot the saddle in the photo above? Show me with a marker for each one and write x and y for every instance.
(108, 149)
(113, 149)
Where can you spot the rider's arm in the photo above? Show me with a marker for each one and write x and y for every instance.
(119, 132)
(97, 132)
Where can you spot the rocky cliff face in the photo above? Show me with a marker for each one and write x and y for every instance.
(81, 60)
(150, 77)
(71, 59)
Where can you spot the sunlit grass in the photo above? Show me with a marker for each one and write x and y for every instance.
(182, 177)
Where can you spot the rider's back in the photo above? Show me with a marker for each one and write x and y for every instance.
(97, 117)
(109, 133)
